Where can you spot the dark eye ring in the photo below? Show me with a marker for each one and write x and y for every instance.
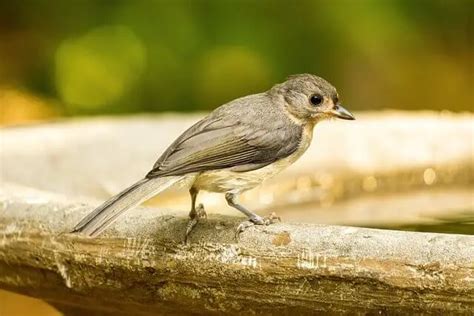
(316, 99)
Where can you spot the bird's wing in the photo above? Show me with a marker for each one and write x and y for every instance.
(217, 143)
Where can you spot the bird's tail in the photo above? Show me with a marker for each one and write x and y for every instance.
(104, 215)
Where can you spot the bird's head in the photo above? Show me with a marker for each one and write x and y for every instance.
(310, 98)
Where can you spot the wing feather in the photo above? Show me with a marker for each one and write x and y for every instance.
(219, 142)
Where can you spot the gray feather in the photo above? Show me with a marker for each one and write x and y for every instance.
(249, 167)
(104, 215)
(251, 131)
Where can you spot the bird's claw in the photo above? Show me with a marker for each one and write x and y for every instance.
(194, 218)
(271, 218)
(256, 220)
(201, 213)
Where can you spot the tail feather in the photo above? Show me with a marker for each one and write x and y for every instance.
(104, 215)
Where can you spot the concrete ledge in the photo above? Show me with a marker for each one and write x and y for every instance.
(141, 266)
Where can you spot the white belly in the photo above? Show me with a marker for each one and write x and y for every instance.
(225, 180)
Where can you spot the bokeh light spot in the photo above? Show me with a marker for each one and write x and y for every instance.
(429, 176)
(369, 184)
(19, 107)
(98, 68)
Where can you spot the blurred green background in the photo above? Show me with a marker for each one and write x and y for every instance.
(68, 58)
(78, 57)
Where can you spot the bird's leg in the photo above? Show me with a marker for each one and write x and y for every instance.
(253, 219)
(195, 214)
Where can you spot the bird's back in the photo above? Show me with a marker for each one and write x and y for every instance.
(250, 131)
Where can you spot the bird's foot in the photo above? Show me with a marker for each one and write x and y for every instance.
(194, 218)
(256, 220)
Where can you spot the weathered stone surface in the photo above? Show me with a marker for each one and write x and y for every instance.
(141, 265)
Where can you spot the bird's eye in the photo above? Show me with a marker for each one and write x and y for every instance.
(316, 99)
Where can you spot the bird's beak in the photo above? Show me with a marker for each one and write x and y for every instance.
(340, 112)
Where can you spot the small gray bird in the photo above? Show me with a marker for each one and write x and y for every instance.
(232, 150)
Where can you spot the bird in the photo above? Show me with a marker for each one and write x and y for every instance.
(232, 150)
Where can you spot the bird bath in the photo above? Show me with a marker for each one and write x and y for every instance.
(391, 170)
